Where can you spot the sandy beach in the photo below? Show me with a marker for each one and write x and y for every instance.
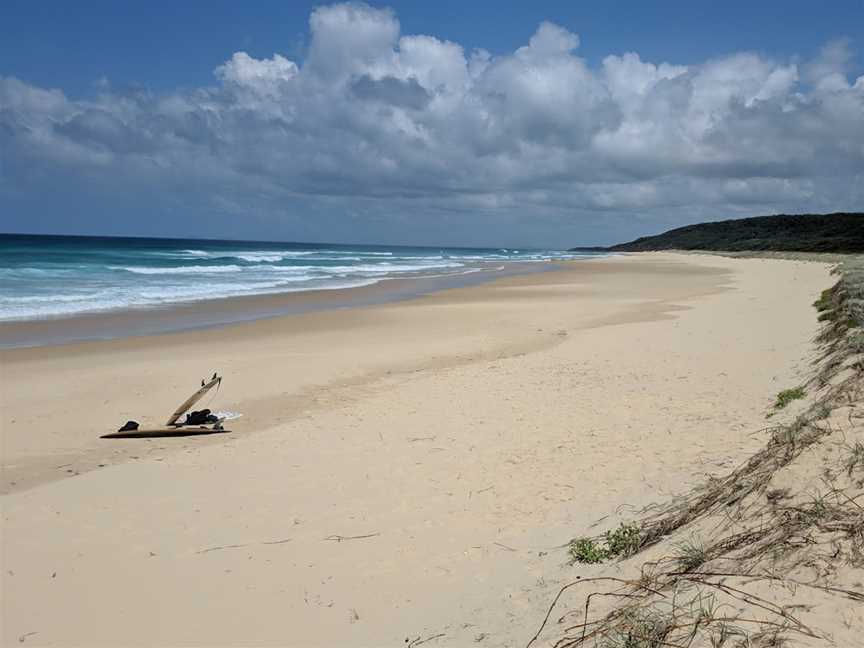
(402, 472)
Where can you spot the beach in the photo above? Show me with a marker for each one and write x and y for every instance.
(401, 472)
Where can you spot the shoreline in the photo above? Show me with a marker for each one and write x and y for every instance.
(460, 438)
(219, 312)
(88, 453)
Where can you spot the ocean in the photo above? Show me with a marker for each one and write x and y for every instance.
(49, 277)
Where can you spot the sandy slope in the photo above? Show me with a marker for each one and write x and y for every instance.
(469, 434)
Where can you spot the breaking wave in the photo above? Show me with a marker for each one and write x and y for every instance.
(40, 279)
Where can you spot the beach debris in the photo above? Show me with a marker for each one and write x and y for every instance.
(503, 546)
(412, 643)
(197, 422)
(246, 544)
(340, 538)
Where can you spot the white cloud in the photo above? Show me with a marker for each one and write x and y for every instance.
(263, 75)
(351, 39)
(413, 127)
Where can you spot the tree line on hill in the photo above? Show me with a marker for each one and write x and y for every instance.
(841, 232)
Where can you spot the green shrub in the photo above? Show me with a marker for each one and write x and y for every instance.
(585, 550)
(620, 542)
(623, 541)
(788, 395)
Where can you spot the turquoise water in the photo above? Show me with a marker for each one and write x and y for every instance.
(43, 277)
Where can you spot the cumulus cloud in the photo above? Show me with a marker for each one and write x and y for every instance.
(264, 76)
(410, 133)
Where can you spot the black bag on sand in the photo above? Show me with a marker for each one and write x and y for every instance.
(200, 417)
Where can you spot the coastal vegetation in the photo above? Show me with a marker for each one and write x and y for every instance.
(788, 395)
(690, 554)
(740, 560)
(620, 542)
(841, 232)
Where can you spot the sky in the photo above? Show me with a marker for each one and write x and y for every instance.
(548, 124)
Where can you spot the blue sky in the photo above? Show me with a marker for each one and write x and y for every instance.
(140, 118)
(163, 45)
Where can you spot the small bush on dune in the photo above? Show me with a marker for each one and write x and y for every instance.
(787, 396)
(621, 542)
(585, 550)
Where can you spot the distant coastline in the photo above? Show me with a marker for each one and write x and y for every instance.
(841, 232)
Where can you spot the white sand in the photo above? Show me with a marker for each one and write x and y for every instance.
(470, 434)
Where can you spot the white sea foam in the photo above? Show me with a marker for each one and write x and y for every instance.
(19, 308)
(178, 269)
(37, 272)
(385, 268)
(128, 277)
(50, 299)
(259, 258)
(267, 256)
(364, 253)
